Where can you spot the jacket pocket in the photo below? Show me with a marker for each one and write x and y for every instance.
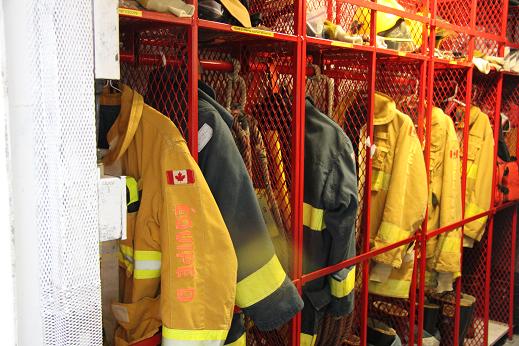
(380, 177)
(472, 154)
(140, 320)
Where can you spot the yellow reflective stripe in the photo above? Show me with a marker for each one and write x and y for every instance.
(133, 189)
(390, 233)
(307, 339)
(472, 171)
(380, 180)
(260, 284)
(128, 264)
(126, 256)
(126, 250)
(473, 209)
(145, 255)
(147, 264)
(144, 274)
(313, 218)
(190, 335)
(240, 342)
(391, 288)
(340, 289)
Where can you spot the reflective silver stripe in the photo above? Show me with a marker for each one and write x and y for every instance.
(169, 342)
(147, 265)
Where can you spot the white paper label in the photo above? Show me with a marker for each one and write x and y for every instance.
(204, 136)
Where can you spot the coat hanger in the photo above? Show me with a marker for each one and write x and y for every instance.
(109, 83)
(453, 104)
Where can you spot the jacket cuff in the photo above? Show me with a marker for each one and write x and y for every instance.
(444, 282)
(341, 306)
(276, 309)
(380, 272)
(468, 242)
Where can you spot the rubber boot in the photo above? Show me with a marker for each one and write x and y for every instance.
(380, 334)
(431, 315)
(467, 303)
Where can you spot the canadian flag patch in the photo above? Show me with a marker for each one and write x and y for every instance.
(182, 176)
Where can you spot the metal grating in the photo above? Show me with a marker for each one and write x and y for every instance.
(484, 93)
(65, 173)
(473, 283)
(512, 28)
(501, 266)
(163, 87)
(401, 81)
(489, 16)
(277, 15)
(486, 46)
(454, 12)
(349, 73)
(510, 107)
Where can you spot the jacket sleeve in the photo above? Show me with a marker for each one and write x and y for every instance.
(340, 211)
(482, 146)
(264, 291)
(198, 271)
(406, 199)
(448, 249)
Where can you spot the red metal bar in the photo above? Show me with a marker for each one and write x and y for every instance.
(456, 28)
(424, 233)
(460, 223)
(298, 142)
(131, 15)
(512, 276)
(192, 121)
(372, 68)
(365, 256)
(208, 24)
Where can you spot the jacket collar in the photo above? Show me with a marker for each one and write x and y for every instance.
(206, 89)
(474, 114)
(206, 93)
(385, 109)
(122, 131)
(436, 116)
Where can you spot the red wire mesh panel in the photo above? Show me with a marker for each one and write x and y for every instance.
(484, 93)
(277, 15)
(454, 44)
(339, 87)
(501, 266)
(489, 47)
(401, 81)
(144, 56)
(349, 75)
(455, 12)
(512, 28)
(453, 47)
(355, 19)
(268, 71)
(473, 283)
(449, 83)
(510, 108)
(489, 16)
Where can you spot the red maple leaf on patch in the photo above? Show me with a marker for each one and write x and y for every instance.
(180, 176)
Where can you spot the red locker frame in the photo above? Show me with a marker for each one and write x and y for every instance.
(281, 62)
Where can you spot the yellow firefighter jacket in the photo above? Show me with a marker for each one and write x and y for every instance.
(479, 173)
(178, 265)
(444, 251)
(398, 196)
